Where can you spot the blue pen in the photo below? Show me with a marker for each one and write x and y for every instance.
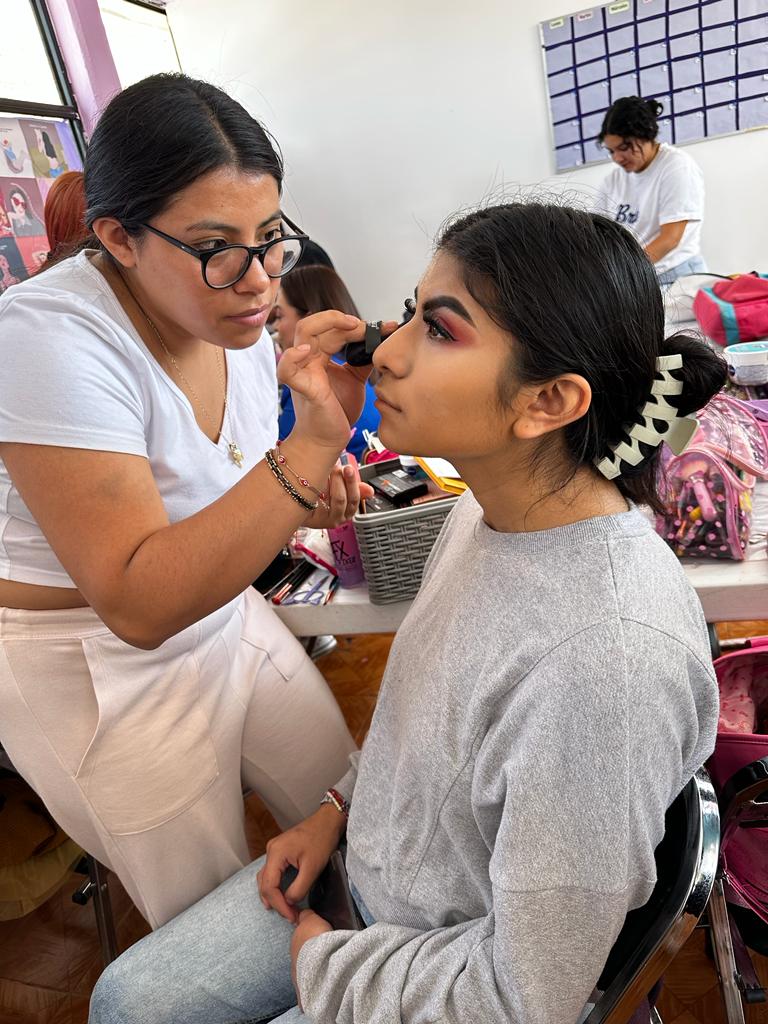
(344, 458)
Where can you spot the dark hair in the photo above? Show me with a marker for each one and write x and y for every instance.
(313, 289)
(313, 255)
(579, 295)
(161, 134)
(632, 117)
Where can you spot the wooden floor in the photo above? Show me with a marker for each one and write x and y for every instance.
(49, 960)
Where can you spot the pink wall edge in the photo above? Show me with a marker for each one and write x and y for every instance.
(87, 56)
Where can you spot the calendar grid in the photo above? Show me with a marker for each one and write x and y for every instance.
(705, 61)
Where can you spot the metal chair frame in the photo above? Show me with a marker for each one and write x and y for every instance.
(652, 935)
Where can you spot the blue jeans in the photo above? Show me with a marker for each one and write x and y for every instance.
(224, 960)
(695, 265)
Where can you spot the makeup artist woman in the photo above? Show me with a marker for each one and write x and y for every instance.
(141, 676)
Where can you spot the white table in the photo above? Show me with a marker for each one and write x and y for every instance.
(728, 591)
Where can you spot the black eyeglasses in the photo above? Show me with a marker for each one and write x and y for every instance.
(227, 264)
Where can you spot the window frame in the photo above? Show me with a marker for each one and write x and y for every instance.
(157, 7)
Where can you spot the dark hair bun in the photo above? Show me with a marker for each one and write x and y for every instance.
(703, 372)
(632, 117)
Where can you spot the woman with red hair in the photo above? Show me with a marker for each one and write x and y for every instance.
(65, 213)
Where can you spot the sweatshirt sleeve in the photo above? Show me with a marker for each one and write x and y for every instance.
(498, 968)
(573, 833)
(346, 784)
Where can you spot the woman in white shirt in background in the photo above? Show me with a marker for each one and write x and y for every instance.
(655, 190)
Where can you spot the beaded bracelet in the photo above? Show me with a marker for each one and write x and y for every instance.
(286, 484)
(321, 496)
(333, 796)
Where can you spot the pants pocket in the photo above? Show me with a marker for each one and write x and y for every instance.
(263, 631)
(152, 755)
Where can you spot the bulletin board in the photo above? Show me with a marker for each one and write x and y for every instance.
(706, 61)
(34, 152)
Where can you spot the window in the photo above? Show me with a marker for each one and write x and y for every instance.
(140, 39)
(25, 70)
(40, 134)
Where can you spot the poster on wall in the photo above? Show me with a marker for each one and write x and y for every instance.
(706, 61)
(45, 149)
(12, 269)
(14, 158)
(34, 152)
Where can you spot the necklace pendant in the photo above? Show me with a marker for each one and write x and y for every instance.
(235, 454)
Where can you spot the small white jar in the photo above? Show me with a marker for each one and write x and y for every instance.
(748, 361)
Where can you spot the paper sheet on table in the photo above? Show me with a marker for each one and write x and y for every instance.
(444, 474)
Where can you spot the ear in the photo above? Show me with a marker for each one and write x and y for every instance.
(551, 406)
(116, 240)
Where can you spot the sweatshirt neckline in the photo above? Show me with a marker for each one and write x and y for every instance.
(586, 531)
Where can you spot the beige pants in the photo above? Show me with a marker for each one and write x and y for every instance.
(139, 755)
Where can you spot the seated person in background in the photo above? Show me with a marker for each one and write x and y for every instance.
(548, 695)
(311, 290)
(655, 190)
(65, 215)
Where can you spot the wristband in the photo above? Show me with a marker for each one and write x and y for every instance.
(334, 797)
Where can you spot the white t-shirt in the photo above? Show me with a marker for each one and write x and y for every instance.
(670, 189)
(76, 374)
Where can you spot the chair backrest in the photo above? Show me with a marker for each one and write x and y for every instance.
(686, 864)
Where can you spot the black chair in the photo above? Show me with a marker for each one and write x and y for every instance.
(686, 865)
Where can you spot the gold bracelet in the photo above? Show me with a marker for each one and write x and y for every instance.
(321, 496)
(286, 484)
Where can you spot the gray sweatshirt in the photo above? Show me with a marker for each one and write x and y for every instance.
(546, 698)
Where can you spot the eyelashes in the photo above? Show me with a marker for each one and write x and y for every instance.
(435, 329)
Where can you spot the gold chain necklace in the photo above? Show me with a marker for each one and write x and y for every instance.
(235, 452)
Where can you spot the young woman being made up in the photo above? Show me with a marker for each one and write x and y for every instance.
(548, 695)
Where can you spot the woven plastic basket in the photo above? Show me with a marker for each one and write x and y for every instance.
(395, 546)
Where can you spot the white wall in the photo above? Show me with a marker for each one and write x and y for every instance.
(393, 114)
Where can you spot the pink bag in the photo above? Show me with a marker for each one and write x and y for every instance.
(743, 680)
(709, 507)
(735, 310)
(734, 430)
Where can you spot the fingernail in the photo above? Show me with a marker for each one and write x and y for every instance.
(348, 472)
(302, 348)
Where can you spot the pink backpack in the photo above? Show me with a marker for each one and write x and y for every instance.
(742, 737)
(734, 310)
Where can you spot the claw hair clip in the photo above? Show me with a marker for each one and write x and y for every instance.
(678, 432)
